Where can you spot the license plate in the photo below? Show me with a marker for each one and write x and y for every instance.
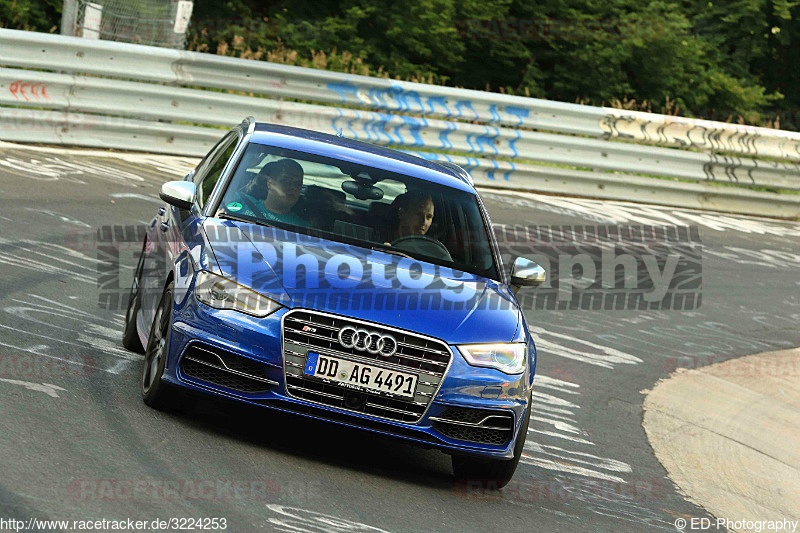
(361, 377)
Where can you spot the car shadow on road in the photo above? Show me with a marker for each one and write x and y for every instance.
(318, 441)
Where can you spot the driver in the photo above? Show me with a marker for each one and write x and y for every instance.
(414, 214)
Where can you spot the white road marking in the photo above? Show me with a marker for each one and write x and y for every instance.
(16, 261)
(137, 196)
(47, 388)
(89, 334)
(562, 466)
(576, 440)
(57, 169)
(557, 344)
(610, 212)
(177, 165)
(62, 305)
(296, 519)
(546, 382)
(115, 368)
(764, 257)
(64, 218)
(551, 417)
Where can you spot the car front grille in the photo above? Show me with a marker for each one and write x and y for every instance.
(226, 369)
(305, 331)
(475, 425)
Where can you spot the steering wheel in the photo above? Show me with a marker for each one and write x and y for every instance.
(422, 244)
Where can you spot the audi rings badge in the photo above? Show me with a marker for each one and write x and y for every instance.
(367, 341)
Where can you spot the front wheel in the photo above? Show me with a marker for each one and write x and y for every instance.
(156, 393)
(493, 471)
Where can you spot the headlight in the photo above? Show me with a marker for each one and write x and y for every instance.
(505, 357)
(222, 293)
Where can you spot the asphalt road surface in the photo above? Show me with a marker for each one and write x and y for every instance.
(77, 443)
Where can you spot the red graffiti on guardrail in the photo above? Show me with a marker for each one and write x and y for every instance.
(28, 91)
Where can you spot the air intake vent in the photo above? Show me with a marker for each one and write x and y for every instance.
(475, 425)
(225, 369)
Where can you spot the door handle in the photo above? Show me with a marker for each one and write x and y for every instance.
(164, 226)
(162, 210)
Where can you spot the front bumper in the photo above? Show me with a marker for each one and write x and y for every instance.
(475, 411)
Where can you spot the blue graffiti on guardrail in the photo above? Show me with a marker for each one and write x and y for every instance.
(343, 89)
(520, 112)
(490, 173)
(402, 97)
(433, 101)
(350, 125)
(470, 164)
(396, 98)
(333, 122)
(507, 174)
(466, 104)
(512, 143)
(415, 125)
(404, 130)
(444, 133)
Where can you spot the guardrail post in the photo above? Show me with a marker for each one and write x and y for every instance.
(69, 17)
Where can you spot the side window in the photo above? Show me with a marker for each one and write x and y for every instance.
(209, 172)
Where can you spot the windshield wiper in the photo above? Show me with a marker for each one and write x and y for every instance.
(393, 251)
(237, 218)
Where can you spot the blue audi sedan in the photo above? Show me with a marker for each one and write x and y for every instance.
(339, 281)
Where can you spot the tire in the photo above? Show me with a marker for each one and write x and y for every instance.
(155, 392)
(493, 472)
(130, 335)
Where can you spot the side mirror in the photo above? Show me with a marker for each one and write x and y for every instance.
(178, 193)
(527, 273)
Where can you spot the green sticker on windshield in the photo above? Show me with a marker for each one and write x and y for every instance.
(234, 206)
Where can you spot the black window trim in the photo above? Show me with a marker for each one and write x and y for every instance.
(212, 205)
(211, 158)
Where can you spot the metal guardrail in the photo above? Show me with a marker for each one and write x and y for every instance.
(146, 96)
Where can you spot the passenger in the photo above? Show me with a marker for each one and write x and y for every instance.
(273, 194)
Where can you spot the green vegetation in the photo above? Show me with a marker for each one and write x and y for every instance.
(735, 60)
(33, 15)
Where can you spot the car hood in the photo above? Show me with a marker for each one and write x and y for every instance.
(304, 271)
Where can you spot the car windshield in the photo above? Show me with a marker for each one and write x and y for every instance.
(360, 205)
